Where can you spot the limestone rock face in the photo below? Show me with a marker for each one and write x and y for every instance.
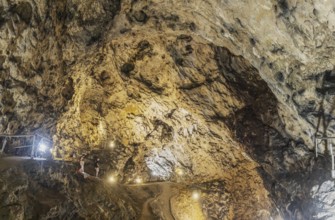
(222, 95)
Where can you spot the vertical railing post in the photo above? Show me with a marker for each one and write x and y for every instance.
(316, 146)
(332, 155)
(33, 149)
(3, 145)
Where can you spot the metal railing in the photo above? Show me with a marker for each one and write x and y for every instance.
(33, 145)
(329, 146)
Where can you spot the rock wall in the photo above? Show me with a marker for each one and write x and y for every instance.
(229, 92)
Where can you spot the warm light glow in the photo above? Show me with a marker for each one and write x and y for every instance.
(112, 179)
(138, 180)
(112, 144)
(42, 147)
(179, 172)
(195, 195)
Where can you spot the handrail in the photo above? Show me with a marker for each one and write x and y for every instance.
(325, 138)
(19, 135)
(316, 143)
(329, 146)
(23, 146)
(25, 136)
(45, 138)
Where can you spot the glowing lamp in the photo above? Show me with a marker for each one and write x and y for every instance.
(138, 180)
(195, 195)
(42, 147)
(179, 172)
(112, 179)
(112, 144)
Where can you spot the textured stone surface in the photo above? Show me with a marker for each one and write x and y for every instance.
(48, 191)
(229, 92)
(325, 197)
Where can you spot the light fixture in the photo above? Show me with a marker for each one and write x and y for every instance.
(112, 144)
(195, 195)
(42, 147)
(112, 179)
(179, 172)
(138, 180)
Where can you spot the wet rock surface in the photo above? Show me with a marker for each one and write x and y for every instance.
(228, 94)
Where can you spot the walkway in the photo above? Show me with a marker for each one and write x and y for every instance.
(163, 193)
(152, 195)
(13, 161)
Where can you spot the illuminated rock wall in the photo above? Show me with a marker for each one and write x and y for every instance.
(228, 92)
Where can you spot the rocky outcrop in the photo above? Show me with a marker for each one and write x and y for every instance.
(228, 94)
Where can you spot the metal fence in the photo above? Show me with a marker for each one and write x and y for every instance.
(35, 140)
(329, 150)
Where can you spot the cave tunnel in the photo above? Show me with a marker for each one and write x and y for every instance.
(167, 110)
